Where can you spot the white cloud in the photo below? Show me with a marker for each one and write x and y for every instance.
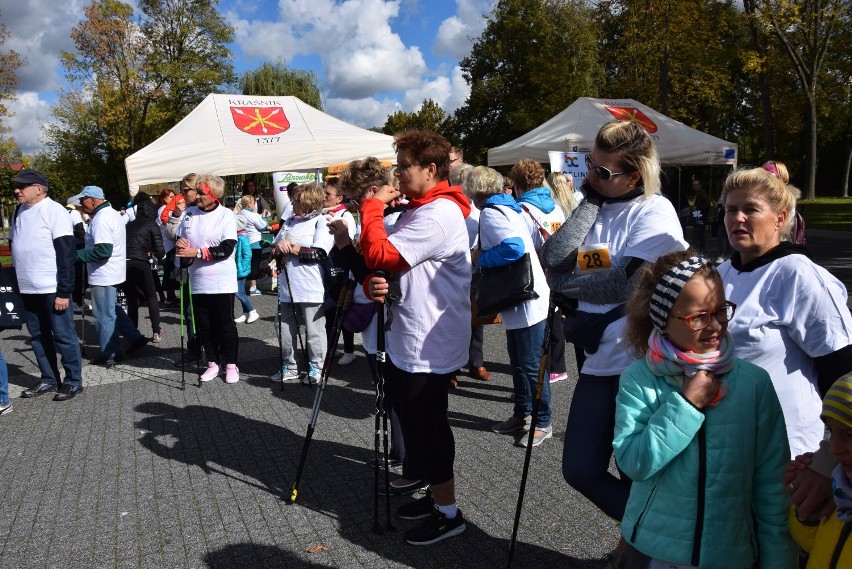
(30, 114)
(360, 53)
(368, 112)
(456, 34)
(449, 92)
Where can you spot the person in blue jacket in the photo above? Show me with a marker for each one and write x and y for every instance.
(700, 432)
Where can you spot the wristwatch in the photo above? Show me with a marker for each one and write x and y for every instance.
(198, 253)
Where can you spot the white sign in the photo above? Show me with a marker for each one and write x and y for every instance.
(280, 181)
(569, 163)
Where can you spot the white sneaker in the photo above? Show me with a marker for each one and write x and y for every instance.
(252, 316)
(286, 373)
(211, 372)
(240, 320)
(346, 359)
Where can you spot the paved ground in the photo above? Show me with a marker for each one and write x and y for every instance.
(136, 472)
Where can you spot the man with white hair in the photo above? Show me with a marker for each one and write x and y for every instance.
(43, 254)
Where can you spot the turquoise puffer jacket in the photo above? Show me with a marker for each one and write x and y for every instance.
(707, 484)
(243, 256)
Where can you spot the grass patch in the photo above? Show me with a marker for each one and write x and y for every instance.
(827, 213)
(5, 261)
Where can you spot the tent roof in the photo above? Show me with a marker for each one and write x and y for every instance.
(237, 134)
(575, 128)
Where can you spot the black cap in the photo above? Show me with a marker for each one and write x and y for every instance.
(30, 176)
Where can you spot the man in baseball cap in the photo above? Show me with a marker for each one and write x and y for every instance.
(43, 252)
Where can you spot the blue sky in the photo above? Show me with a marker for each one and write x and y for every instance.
(373, 57)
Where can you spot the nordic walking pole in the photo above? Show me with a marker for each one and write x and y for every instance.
(342, 305)
(194, 329)
(295, 317)
(381, 412)
(182, 326)
(542, 372)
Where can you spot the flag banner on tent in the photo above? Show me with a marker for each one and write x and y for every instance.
(255, 120)
(633, 115)
(569, 163)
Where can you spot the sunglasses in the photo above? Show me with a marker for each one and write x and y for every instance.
(604, 174)
(700, 320)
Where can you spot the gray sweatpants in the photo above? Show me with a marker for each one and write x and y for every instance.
(314, 319)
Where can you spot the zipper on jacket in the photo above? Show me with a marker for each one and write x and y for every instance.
(841, 543)
(702, 483)
(642, 514)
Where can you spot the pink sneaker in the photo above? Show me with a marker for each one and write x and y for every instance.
(211, 372)
(232, 373)
(554, 377)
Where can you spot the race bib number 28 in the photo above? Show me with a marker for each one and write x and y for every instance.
(593, 257)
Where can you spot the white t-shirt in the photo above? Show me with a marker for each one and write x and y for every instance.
(168, 244)
(472, 224)
(32, 236)
(494, 228)
(430, 332)
(75, 217)
(551, 222)
(346, 217)
(305, 279)
(254, 225)
(107, 226)
(640, 228)
(788, 312)
(207, 229)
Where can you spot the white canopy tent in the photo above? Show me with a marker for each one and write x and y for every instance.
(237, 134)
(575, 128)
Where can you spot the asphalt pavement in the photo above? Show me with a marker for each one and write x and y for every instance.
(138, 472)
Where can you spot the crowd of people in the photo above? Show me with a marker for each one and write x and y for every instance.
(711, 382)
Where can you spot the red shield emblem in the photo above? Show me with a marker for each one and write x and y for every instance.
(633, 115)
(260, 121)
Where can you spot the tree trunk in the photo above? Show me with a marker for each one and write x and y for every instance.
(757, 43)
(848, 165)
(810, 181)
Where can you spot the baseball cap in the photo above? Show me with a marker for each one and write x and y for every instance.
(30, 176)
(90, 192)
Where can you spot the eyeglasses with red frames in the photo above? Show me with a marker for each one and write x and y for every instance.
(604, 174)
(701, 320)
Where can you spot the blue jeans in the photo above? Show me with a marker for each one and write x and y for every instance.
(53, 332)
(242, 296)
(111, 321)
(588, 445)
(4, 381)
(524, 345)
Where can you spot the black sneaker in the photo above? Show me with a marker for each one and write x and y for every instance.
(418, 509)
(435, 528)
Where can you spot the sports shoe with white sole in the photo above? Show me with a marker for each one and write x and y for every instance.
(435, 528)
(240, 320)
(232, 373)
(313, 376)
(286, 373)
(211, 372)
(252, 316)
(511, 425)
(346, 359)
(540, 435)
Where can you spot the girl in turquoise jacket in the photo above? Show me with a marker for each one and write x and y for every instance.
(700, 433)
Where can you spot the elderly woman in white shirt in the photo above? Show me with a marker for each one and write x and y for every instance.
(502, 241)
(304, 242)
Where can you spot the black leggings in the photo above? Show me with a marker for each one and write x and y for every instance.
(421, 400)
(139, 285)
(348, 337)
(214, 316)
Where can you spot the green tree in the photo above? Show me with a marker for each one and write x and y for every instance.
(806, 29)
(133, 77)
(430, 116)
(276, 79)
(10, 61)
(674, 57)
(534, 58)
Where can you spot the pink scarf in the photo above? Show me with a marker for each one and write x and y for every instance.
(666, 360)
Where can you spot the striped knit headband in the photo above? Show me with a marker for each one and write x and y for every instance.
(669, 287)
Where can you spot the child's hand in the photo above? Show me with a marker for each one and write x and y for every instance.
(700, 389)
